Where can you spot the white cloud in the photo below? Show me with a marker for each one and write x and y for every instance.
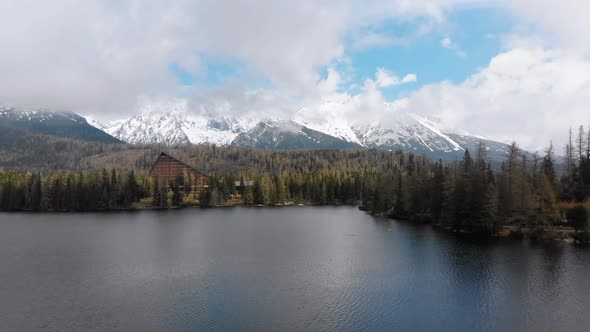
(526, 94)
(565, 22)
(446, 42)
(374, 39)
(451, 45)
(409, 78)
(99, 56)
(386, 79)
(331, 83)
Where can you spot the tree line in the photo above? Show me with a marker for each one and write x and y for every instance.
(467, 194)
(470, 194)
(83, 191)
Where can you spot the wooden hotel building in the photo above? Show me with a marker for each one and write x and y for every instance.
(168, 168)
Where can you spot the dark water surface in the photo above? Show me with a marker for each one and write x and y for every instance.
(297, 268)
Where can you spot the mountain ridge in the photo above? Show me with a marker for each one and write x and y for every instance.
(307, 129)
(403, 131)
(45, 122)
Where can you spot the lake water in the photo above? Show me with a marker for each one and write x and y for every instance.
(296, 268)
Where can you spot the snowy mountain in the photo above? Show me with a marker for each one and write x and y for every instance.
(176, 128)
(397, 131)
(25, 122)
(326, 125)
(288, 135)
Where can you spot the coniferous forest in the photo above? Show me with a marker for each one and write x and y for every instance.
(471, 194)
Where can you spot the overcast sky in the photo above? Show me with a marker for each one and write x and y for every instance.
(506, 70)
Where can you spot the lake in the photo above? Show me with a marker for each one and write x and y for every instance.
(278, 269)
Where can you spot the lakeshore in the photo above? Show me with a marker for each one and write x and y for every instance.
(555, 233)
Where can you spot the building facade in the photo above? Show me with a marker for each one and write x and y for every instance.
(168, 168)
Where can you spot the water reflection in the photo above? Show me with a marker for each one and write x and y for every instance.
(278, 269)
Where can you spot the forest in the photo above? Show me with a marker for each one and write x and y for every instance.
(469, 194)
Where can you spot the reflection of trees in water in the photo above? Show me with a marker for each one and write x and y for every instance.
(552, 267)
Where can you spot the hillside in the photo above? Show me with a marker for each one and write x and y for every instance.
(321, 127)
(282, 135)
(23, 123)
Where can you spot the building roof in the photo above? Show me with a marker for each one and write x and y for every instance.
(162, 154)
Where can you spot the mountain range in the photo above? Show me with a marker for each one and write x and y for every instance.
(322, 127)
(313, 128)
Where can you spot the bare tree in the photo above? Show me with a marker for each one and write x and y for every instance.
(581, 148)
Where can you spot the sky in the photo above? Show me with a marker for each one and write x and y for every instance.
(507, 70)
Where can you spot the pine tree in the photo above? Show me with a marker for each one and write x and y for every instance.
(131, 189)
(548, 167)
(323, 194)
(163, 197)
(80, 203)
(438, 190)
(462, 192)
(257, 192)
(248, 196)
(204, 198)
(176, 192)
(36, 192)
(69, 194)
(156, 199)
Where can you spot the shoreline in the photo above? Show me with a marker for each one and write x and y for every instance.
(553, 235)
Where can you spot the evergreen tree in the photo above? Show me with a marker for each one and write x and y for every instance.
(204, 198)
(577, 216)
(257, 193)
(177, 199)
(156, 199)
(548, 165)
(36, 192)
(248, 196)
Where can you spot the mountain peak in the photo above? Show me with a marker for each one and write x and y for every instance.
(327, 125)
(177, 127)
(46, 122)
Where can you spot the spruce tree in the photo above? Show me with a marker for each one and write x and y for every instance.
(156, 199)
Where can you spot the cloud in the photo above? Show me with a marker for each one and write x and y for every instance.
(237, 99)
(331, 83)
(451, 45)
(386, 79)
(525, 94)
(374, 39)
(100, 56)
(564, 23)
(409, 78)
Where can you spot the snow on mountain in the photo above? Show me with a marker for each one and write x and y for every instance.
(38, 115)
(330, 123)
(288, 135)
(406, 131)
(431, 127)
(46, 122)
(219, 131)
(149, 129)
(398, 130)
(337, 123)
(171, 122)
(329, 117)
(176, 128)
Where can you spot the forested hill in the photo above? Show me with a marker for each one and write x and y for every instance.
(463, 195)
(466, 194)
(16, 125)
